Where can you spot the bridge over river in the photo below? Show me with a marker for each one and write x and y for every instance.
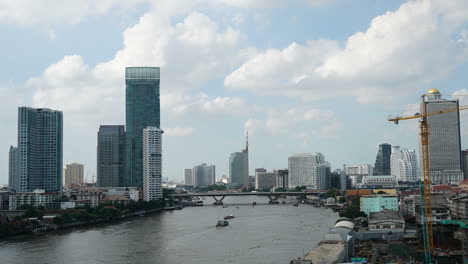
(219, 196)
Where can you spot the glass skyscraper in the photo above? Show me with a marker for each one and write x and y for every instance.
(40, 149)
(142, 110)
(382, 161)
(111, 156)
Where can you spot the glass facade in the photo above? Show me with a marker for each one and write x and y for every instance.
(142, 110)
(40, 149)
(111, 156)
(239, 168)
(382, 161)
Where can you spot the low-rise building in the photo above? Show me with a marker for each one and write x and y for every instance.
(386, 221)
(459, 208)
(383, 181)
(440, 208)
(93, 196)
(36, 198)
(379, 203)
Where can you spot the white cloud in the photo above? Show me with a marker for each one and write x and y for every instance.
(178, 131)
(301, 123)
(399, 51)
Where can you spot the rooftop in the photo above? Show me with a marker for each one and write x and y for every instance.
(385, 215)
(325, 251)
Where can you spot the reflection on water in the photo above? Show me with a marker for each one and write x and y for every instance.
(260, 234)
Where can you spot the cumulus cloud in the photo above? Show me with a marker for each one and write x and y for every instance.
(399, 51)
(299, 122)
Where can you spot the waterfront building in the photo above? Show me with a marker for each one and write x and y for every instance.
(404, 164)
(302, 171)
(90, 196)
(204, 175)
(188, 176)
(378, 203)
(265, 180)
(465, 163)
(356, 172)
(382, 161)
(239, 167)
(444, 140)
(282, 178)
(35, 198)
(322, 177)
(74, 174)
(111, 156)
(379, 181)
(386, 221)
(152, 163)
(142, 110)
(12, 168)
(40, 149)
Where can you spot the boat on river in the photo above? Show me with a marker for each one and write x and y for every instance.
(222, 223)
(231, 216)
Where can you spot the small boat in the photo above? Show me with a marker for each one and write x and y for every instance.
(222, 223)
(295, 204)
(225, 206)
(283, 202)
(231, 216)
(254, 203)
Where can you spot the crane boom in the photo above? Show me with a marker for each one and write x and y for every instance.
(426, 200)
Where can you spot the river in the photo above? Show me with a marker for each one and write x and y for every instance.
(261, 234)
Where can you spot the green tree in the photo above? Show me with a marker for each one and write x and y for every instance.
(300, 188)
(342, 200)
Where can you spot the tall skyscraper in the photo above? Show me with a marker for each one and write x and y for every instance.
(188, 176)
(444, 140)
(239, 166)
(13, 168)
(152, 163)
(111, 156)
(204, 175)
(74, 174)
(40, 148)
(382, 162)
(404, 164)
(303, 170)
(142, 110)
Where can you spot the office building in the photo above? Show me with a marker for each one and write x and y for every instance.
(282, 178)
(302, 171)
(152, 163)
(265, 180)
(142, 110)
(239, 167)
(379, 181)
(444, 140)
(322, 177)
(40, 149)
(188, 176)
(111, 156)
(204, 175)
(12, 167)
(382, 161)
(74, 174)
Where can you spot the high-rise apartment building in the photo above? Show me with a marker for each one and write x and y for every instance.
(444, 140)
(111, 156)
(188, 176)
(12, 167)
(142, 110)
(204, 175)
(265, 180)
(322, 177)
(302, 170)
(239, 167)
(74, 174)
(408, 166)
(40, 149)
(152, 163)
(382, 161)
(395, 162)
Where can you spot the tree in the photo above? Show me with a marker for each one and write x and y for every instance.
(381, 192)
(280, 189)
(300, 188)
(342, 200)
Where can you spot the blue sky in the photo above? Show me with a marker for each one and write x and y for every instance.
(300, 75)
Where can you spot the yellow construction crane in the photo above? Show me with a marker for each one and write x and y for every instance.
(426, 188)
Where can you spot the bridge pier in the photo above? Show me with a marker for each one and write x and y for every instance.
(273, 199)
(218, 201)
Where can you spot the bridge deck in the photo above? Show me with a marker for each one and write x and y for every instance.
(246, 194)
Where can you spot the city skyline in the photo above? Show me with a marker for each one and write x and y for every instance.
(211, 91)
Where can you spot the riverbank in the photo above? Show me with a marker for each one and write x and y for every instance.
(51, 227)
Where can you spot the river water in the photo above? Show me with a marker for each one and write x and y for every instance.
(261, 234)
